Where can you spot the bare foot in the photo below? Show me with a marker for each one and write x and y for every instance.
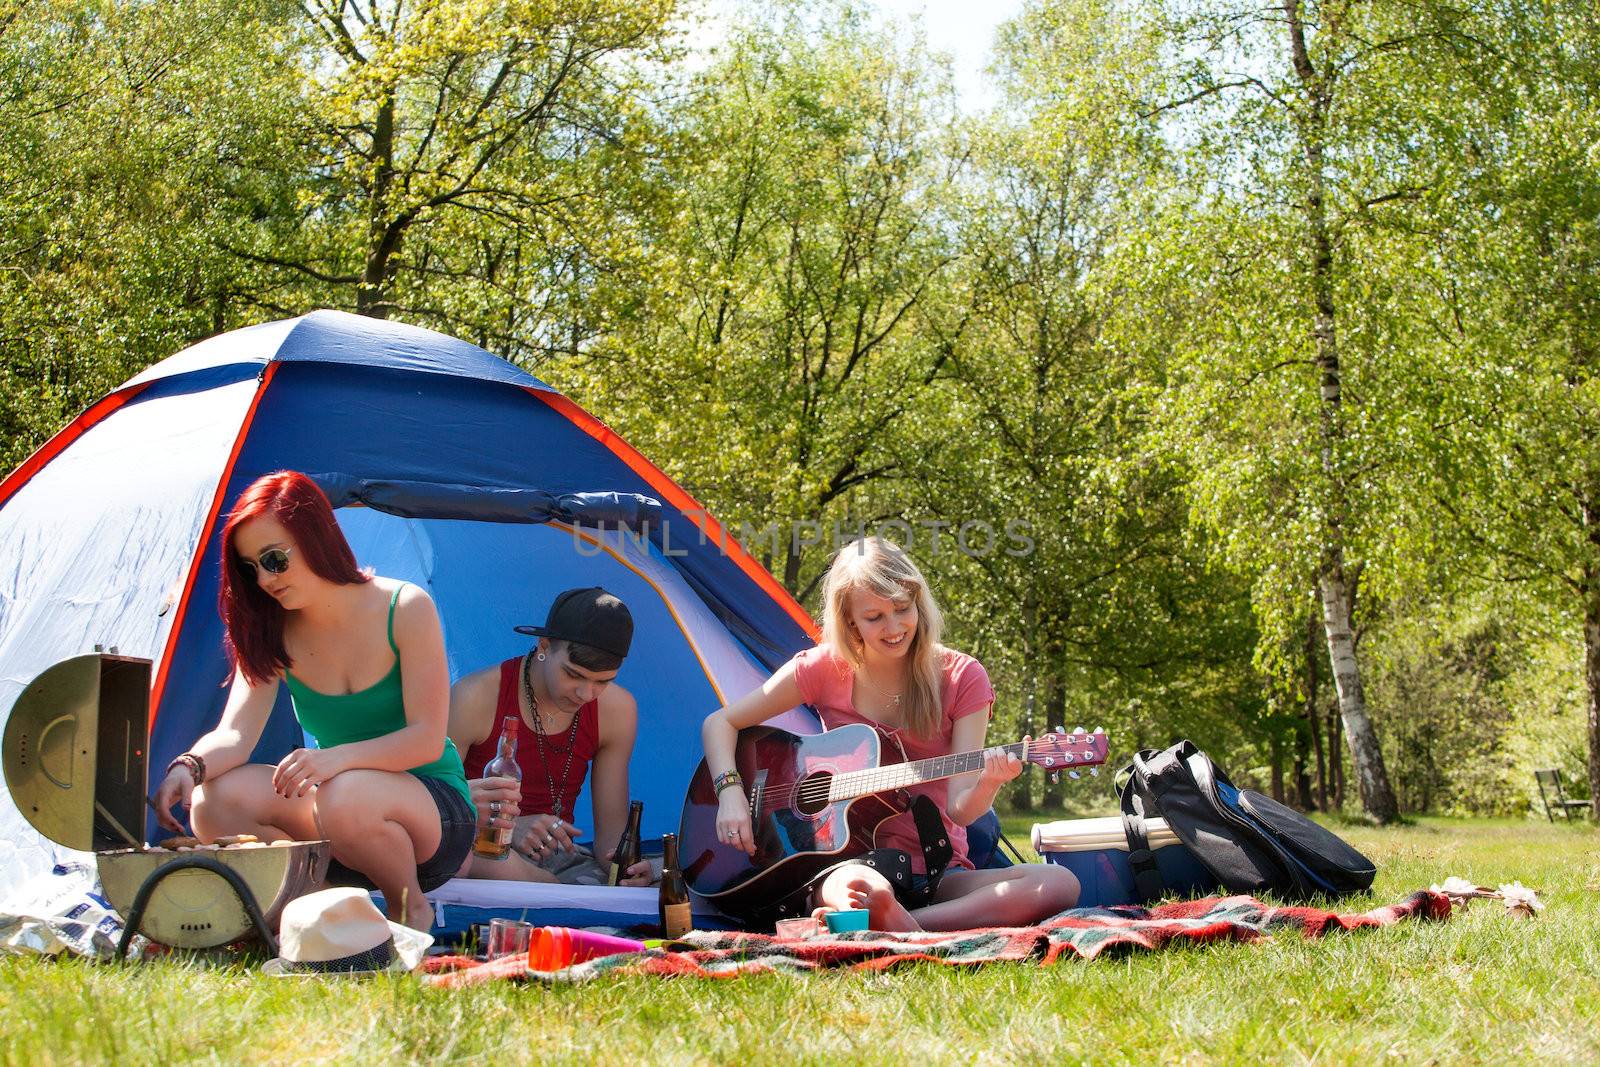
(413, 910)
(884, 912)
(419, 918)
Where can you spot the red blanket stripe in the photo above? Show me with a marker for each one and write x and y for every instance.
(1086, 932)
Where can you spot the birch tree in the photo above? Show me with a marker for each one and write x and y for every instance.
(1298, 124)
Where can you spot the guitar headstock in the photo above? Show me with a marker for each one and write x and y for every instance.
(1059, 751)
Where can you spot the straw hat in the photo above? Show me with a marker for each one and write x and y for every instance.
(340, 931)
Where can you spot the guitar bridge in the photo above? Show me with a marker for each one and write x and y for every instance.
(758, 789)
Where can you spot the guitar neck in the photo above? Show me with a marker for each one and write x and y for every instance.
(852, 784)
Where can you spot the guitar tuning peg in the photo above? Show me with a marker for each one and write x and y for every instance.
(1094, 772)
(1055, 776)
(1100, 729)
(1077, 729)
(1059, 730)
(1074, 775)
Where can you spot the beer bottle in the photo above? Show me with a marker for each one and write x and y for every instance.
(627, 853)
(494, 842)
(675, 918)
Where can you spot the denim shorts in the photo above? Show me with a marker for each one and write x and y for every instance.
(457, 829)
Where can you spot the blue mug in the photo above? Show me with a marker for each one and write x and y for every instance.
(841, 921)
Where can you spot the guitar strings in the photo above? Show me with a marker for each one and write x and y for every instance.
(812, 790)
(873, 779)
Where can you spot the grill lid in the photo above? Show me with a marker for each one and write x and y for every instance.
(74, 751)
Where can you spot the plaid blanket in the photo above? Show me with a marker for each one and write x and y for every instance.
(1086, 932)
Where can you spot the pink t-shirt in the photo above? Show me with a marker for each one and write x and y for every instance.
(826, 681)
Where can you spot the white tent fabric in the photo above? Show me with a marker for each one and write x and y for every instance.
(141, 482)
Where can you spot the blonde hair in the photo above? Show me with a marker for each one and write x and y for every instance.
(882, 567)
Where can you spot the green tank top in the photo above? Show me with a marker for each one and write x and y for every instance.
(374, 711)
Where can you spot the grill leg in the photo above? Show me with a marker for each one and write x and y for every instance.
(141, 899)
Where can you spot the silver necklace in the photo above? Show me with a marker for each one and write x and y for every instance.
(892, 698)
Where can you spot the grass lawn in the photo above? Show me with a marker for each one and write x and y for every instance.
(1481, 987)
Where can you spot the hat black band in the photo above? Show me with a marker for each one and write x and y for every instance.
(373, 959)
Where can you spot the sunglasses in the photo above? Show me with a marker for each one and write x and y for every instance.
(272, 560)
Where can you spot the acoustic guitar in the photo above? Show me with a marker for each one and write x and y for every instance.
(819, 799)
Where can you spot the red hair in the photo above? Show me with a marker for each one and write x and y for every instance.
(254, 620)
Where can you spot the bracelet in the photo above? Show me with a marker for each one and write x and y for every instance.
(726, 779)
(195, 765)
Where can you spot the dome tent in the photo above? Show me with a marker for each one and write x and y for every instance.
(449, 467)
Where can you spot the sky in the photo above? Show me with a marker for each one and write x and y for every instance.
(963, 29)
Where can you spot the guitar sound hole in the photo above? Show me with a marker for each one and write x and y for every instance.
(811, 795)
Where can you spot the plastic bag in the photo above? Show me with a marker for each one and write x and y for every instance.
(62, 911)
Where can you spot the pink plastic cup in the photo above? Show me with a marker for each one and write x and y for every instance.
(555, 947)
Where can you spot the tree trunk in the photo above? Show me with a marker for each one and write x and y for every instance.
(791, 565)
(1372, 778)
(383, 234)
(1365, 755)
(1314, 720)
(1303, 791)
(1591, 661)
(1021, 790)
(1055, 711)
(1302, 774)
(1591, 653)
(1275, 754)
(1335, 758)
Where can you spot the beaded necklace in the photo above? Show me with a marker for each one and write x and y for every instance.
(558, 798)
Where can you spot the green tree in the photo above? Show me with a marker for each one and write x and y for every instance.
(1290, 392)
(446, 165)
(1516, 355)
(1106, 611)
(798, 230)
(127, 128)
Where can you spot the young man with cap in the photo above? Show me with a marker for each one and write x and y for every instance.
(573, 723)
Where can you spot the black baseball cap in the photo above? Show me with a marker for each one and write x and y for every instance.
(590, 617)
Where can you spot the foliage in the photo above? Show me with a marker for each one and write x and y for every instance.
(1077, 350)
(1472, 704)
(798, 232)
(113, 177)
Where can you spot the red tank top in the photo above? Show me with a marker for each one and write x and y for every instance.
(536, 798)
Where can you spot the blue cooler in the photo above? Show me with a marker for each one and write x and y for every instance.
(1096, 851)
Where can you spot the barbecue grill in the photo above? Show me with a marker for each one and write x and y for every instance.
(74, 754)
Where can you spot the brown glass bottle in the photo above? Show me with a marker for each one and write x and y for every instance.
(675, 915)
(494, 842)
(627, 853)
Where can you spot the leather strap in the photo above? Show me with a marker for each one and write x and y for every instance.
(935, 840)
(1147, 880)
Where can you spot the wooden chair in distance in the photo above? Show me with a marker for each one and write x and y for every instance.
(1552, 778)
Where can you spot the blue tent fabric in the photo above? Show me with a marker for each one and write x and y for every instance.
(421, 500)
(334, 337)
(457, 471)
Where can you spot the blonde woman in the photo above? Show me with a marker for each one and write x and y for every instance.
(880, 663)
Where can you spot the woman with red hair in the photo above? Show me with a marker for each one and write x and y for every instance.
(363, 658)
